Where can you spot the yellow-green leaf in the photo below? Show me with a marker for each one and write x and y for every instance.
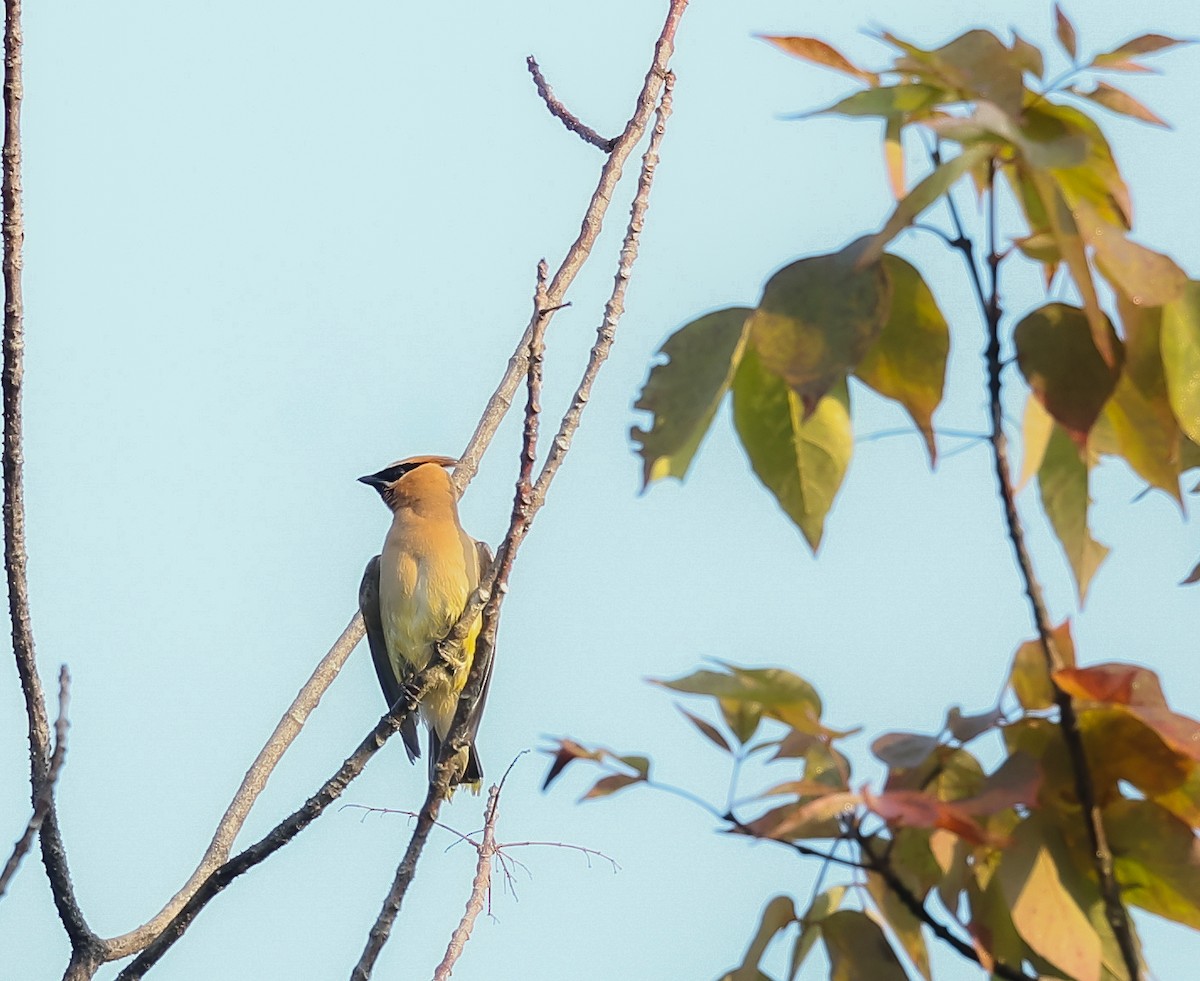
(1139, 412)
(1156, 858)
(1070, 246)
(888, 100)
(1062, 366)
(802, 462)
(1037, 425)
(1044, 912)
(817, 318)
(904, 925)
(1063, 482)
(777, 916)
(908, 360)
(927, 191)
(858, 949)
(684, 391)
(1181, 358)
(810, 927)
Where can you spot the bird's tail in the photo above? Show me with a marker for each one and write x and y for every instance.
(468, 772)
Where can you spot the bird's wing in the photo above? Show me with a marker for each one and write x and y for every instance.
(368, 603)
(474, 769)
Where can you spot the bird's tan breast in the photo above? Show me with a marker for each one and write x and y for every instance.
(423, 588)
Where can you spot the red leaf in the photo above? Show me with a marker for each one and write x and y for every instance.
(1065, 31)
(914, 809)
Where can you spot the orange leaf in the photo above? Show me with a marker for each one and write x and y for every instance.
(820, 53)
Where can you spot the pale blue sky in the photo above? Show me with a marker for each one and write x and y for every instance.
(274, 246)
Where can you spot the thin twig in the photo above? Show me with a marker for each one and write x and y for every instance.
(577, 254)
(616, 301)
(562, 113)
(480, 887)
(46, 793)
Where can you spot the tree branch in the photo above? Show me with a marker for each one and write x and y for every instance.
(45, 796)
(562, 113)
(989, 301)
(480, 887)
(287, 829)
(15, 556)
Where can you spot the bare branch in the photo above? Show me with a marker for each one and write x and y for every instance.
(54, 855)
(46, 793)
(480, 887)
(616, 301)
(562, 113)
(287, 829)
(593, 220)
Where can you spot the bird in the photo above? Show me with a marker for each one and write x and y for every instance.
(413, 593)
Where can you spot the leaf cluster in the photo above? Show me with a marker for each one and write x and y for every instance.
(1122, 382)
(1001, 855)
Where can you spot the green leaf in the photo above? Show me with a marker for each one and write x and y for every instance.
(779, 693)
(1030, 678)
(684, 391)
(1157, 860)
(1064, 30)
(886, 101)
(1141, 275)
(1144, 44)
(778, 915)
(741, 717)
(904, 925)
(819, 53)
(927, 191)
(810, 927)
(1062, 366)
(1063, 482)
(1139, 412)
(1121, 102)
(1181, 358)
(908, 360)
(1070, 246)
(802, 462)
(1044, 912)
(817, 318)
(1096, 179)
(858, 949)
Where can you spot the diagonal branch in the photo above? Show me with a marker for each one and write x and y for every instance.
(287, 829)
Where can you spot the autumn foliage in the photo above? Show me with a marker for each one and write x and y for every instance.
(1027, 865)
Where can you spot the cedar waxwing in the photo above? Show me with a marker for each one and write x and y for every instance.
(415, 591)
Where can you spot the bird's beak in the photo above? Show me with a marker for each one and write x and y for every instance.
(374, 480)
